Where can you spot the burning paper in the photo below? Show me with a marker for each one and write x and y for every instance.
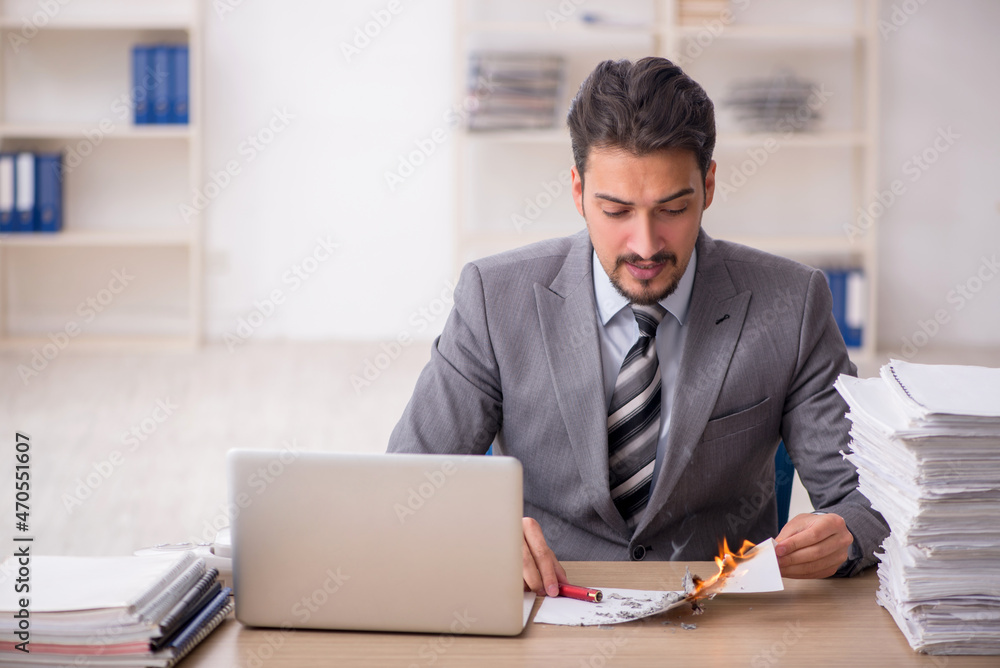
(752, 569)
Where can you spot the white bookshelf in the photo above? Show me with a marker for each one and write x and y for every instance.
(63, 89)
(797, 207)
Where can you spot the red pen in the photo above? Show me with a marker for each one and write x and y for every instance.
(581, 593)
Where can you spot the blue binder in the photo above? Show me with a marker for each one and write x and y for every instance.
(48, 192)
(142, 79)
(838, 279)
(24, 192)
(7, 192)
(852, 329)
(160, 93)
(179, 84)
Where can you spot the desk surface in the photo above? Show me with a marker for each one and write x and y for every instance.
(812, 622)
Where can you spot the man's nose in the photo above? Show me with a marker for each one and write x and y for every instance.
(644, 240)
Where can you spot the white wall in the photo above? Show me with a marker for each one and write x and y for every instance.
(939, 70)
(324, 174)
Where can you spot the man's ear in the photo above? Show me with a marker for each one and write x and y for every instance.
(577, 189)
(710, 184)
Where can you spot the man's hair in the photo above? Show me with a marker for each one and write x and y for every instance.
(641, 107)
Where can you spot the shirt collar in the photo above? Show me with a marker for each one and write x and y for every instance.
(610, 301)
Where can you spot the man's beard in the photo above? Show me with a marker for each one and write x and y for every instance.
(646, 297)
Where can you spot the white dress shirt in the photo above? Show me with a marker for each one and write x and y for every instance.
(619, 332)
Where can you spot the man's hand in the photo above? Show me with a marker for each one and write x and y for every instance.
(542, 571)
(812, 546)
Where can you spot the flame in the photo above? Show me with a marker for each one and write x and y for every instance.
(727, 561)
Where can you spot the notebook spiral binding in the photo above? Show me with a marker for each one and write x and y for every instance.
(892, 369)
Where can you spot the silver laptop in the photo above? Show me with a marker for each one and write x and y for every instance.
(426, 543)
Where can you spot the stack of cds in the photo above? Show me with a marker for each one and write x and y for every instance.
(514, 90)
(926, 441)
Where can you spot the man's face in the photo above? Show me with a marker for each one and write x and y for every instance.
(643, 215)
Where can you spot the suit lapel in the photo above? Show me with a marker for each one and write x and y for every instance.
(716, 319)
(568, 321)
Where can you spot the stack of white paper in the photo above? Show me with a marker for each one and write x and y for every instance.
(926, 441)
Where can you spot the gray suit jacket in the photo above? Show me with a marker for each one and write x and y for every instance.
(519, 360)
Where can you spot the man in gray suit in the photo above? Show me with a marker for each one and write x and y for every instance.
(642, 372)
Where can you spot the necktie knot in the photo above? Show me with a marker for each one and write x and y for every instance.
(648, 317)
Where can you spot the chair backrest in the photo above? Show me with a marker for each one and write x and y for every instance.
(784, 474)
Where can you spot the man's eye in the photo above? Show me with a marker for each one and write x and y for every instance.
(615, 214)
(675, 212)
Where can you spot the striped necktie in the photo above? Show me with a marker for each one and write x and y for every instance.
(634, 419)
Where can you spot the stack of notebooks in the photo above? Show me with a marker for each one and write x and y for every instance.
(31, 193)
(109, 611)
(514, 90)
(926, 441)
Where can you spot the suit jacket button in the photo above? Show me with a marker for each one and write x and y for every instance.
(638, 552)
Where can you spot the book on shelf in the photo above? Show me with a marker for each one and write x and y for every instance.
(160, 84)
(31, 192)
(110, 611)
(24, 192)
(698, 12)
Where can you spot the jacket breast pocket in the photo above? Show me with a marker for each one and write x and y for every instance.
(727, 425)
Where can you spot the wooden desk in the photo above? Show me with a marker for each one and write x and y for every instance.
(811, 623)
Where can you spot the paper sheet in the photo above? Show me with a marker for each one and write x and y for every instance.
(759, 574)
(529, 603)
(619, 605)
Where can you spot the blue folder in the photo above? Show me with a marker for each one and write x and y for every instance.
(48, 192)
(142, 79)
(160, 92)
(179, 94)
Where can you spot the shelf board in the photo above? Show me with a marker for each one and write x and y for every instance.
(78, 238)
(78, 130)
(795, 139)
(798, 245)
(113, 342)
(792, 32)
(102, 23)
(571, 27)
(546, 136)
